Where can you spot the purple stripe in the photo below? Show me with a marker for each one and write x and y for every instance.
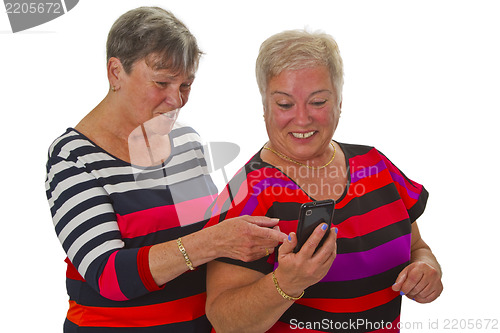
(358, 265)
(401, 181)
(282, 184)
(375, 169)
(368, 171)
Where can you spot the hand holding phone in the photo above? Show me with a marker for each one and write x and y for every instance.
(311, 215)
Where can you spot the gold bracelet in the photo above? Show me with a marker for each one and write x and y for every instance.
(184, 253)
(282, 293)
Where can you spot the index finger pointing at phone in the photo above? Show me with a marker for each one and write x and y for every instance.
(269, 233)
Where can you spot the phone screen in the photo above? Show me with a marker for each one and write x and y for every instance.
(311, 215)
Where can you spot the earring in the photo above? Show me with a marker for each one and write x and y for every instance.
(113, 89)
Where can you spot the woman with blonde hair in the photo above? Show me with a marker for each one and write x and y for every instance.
(374, 252)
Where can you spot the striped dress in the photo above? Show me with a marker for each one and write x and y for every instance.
(108, 213)
(374, 217)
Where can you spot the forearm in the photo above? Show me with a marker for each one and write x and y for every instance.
(420, 251)
(166, 262)
(239, 238)
(252, 308)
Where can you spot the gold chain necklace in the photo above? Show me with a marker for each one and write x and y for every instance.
(286, 158)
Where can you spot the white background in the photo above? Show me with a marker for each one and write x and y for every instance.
(422, 83)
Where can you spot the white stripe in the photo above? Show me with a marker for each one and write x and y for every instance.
(186, 138)
(89, 235)
(81, 197)
(67, 184)
(96, 252)
(58, 140)
(79, 178)
(135, 185)
(72, 145)
(114, 171)
(82, 217)
(96, 157)
(80, 163)
(155, 183)
(57, 168)
(187, 175)
(186, 156)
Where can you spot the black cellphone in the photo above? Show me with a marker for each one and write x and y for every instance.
(311, 215)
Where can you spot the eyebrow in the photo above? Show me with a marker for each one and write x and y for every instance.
(281, 93)
(311, 94)
(169, 76)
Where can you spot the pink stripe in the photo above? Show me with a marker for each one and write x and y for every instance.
(147, 221)
(192, 211)
(108, 282)
(155, 219)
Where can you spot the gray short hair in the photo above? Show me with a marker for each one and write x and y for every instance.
(156, 35)
(298, 49)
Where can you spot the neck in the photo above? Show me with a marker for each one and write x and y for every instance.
(319, 162)
(108, 117)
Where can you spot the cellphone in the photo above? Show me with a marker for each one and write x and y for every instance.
(311, 215)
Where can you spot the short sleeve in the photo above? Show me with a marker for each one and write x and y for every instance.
(413, 194)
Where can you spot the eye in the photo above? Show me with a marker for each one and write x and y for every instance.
(161, 84)
(186, 86)
(285, 105)
(319, 103)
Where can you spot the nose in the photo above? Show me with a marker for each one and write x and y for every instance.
(174, 98)
(302, 115)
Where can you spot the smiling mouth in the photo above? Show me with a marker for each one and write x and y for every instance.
(172, 115)
(303, 135)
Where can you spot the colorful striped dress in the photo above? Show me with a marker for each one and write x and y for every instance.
(108, 213)
(374, 217)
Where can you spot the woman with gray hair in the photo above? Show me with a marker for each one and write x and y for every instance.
(374, 253)
(128, 188)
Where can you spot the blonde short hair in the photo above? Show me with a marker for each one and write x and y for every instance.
(298, 49)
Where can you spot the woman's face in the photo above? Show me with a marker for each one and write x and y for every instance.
(149, 94)
(302, 110)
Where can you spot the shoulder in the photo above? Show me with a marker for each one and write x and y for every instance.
(360, 154)
(256, 168)
(69, 142)
(362, 151)
(74, 149)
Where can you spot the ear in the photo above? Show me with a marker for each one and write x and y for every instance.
(115, 70)
(264, 112)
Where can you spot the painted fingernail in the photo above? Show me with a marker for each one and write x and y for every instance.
(401, 293)
(289, 238)
(323, 227)
(336, 230)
